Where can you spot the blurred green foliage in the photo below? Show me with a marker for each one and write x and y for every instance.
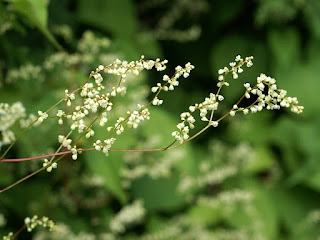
(64, 40)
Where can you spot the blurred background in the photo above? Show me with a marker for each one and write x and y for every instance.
(254, 177)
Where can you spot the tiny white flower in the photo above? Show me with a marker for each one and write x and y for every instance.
(232, 64)
(238, 58)
(235, 75)
(154, 89)
(101, 67)
(214, 123)
(192, 108)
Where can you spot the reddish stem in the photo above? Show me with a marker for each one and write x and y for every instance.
(42, 156)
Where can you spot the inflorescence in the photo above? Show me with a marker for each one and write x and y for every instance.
(94, 99)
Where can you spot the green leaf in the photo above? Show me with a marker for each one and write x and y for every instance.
(19, 202)
(254, 128)
(161, 194)
(149, 45)
(204, 215)
(306, 140)
(312, 16)
(276, 11)
(293, 206)
(285, 46)
(37, 14)
(287, 140)
(263, 159)
(226, 11)
(263, 212)
(116, 17)
(108, 168)
(158, 194)
(6, 176)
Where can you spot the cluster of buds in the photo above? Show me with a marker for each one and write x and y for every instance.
(266, 90)
(33, 222)
(51, 165)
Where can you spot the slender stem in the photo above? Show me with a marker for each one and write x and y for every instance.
(18, 232)
(170, 144)
(22, 179)
(33, 158)
(24, 130)
(57, 103)
(17, 138)
(44, 156)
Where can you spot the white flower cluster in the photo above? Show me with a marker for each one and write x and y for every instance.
(33, 222)
(65, 142)
(182, 227)
(172, 82)
(236, 69)
(268, 96)
(154, 168)
(121, 68)
(166, 27)
(90, 48)
(8, 117)
(212, 177)
(266, 90)
(63, 31)
(65, 233)
(68, 97)
(93, 44)
(7, 137)
(210, 104)
(52, 166)
(42, 116)
(137, 116)
(129, 215)
(104, 146)
(10, 114)
(223, 163)
(182, 134)
(25, 73)
(226, 198)
(118, 127)
(164, 167)
(171, 231)
(187, 35)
